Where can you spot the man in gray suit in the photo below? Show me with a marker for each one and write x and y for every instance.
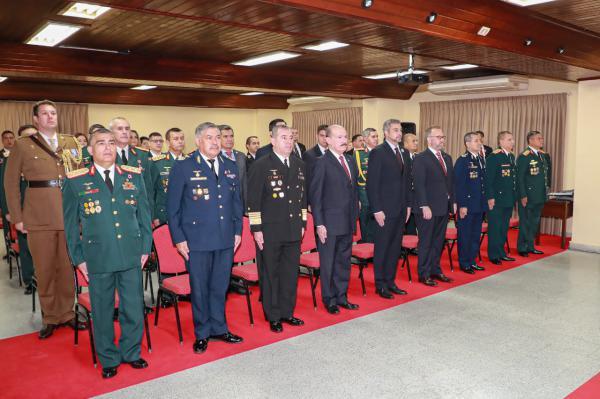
(227, 143)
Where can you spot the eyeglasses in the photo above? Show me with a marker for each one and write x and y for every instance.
(438, 137)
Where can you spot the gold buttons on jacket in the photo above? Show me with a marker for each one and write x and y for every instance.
(119, 236)
(117, 224)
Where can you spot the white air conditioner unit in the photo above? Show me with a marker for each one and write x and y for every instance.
(488, 84)
(317, 100)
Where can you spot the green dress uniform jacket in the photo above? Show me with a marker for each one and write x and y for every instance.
(110, 231)
(86, 158)
(139, 158)
(365, 216)
(501, 186)
(532, 183)
(160, 167)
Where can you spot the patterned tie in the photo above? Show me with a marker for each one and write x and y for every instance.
(345, 167)
(53, 143)
(212, 166)
(439, 157)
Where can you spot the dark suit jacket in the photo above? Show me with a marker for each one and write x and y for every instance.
(432, 187)
(488, 150)
(249, 160)
(310, 157)
(333, 196)
(264, 150)
(302, 149)
(388, 183)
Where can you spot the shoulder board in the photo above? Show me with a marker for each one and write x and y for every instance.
(159, 157)
(526, 152)
(142, 149)
(78, 172)
(66, 135)
(497, 151)
(132, 169)
(541, 151)
(465, 155)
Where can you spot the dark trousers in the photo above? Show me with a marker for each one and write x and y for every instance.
(334, 257)
(388, 247)
(469, 234)
(367, 223)
(210, 272)
(278, 263)
(529, 222)
(25, 259)
(432, 233)
(498, 223)
(411, 226)
(128, 285)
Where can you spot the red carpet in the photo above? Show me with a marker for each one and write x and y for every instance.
(57, 368)
(589, 390)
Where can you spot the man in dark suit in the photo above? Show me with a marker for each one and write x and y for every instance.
(410, 142)
(299, 148)
(252, 145)
(334, 195)
(310, 156)
(205, 212)
(388, 189)
(267, 149)
(358, 143)
(227, 150)
(278, 214)
(486, 150)
(434, 199)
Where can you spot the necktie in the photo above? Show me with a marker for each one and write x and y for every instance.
(482, 153)
(123, 157)
(441, 161)
(229, 155)
(345, 167)
(54, 144)
(108, 181)
(297, 151)
(212, 166)
(285, 162)
(399, 159)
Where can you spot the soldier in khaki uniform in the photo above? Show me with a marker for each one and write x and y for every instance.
(42, 159)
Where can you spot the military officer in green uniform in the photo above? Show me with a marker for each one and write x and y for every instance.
(362, 160)
(160, 167)
(86, 157)
(108, 233)
(532, 187)
(500, 191)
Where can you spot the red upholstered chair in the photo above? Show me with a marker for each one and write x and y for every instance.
(484, 232)
(246, 274)
(84, 303)
(170, 262)
(309, 258)
(512, 224)
(408, 242)
(362, 254)
(450, 241)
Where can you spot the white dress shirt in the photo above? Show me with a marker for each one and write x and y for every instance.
(101, 170)
(282, 158)
(208, 163)
(337, 157)
(435, 154)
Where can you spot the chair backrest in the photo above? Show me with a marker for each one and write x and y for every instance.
(308, 241)
(13, 232)
(80, 280)
(169, 259)
(357, 234)
(247, 249)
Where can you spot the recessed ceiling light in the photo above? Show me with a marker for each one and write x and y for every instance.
(528, 42)
(431, 17)
(561, 50)
(526, 3)
(459, 67)
(53, 33)
(252, 93)
(367, 3)
(3, 78)
(484, 31)
(266, 58)
(330, 45)
(85, 10)
(390, 75)
(143, 87)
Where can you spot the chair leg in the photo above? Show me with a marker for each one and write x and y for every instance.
(76, 323)
(91, 335)
(151, 287)
(9, 259)
(362, 278)
(147, 332)
(312, 287)
(407, 267)
(19, 270)
(507, 246)
(158, 300)
(176, 303)
(481, 242)
(449, 248)
(250, 315)
(33, 291)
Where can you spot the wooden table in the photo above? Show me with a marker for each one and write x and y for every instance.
(558, 209)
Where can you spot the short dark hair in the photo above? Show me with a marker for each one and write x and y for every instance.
(226, 127)
(275, 122)
(174, 130)
(249, 139)
(25, 127)
(4, 133)
(532, 133)
(356, 137)
(469, 136)
(502, 134)
(80, 134)
(101, 130)
(322, 127)
(95, 126)
(143, 138)
(154, 134)
(134, 132)
(36, 106)
(479, 132)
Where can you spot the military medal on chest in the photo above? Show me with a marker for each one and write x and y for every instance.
(534, 169)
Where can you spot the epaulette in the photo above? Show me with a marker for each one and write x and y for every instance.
(497, 151)
(132, 169)
(142, 149)
(465, 155)
(159, 157)
(66, 135)
(78, 172)
(526, 152)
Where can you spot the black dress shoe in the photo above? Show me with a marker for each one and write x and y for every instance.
(477, 267)
(332, 309)
(428, 282)
(441, 277)
(79, 326)
(200, 345)
(47, 331)
(293, 321)
(468, 271)
(524, 254)
(496, 261)
(228, 337)
(28, 290)
(276, 326)
(536, 252)
(349, 306)
(398, 291)
(507, 258)
(382, 292)
(138, 364)
(109, 372)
